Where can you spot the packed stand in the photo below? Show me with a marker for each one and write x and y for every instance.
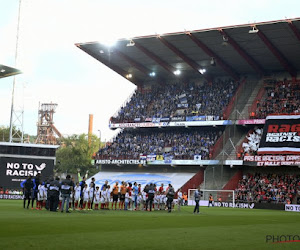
(268, 188)
(178, 100)
(178, 144)
(283, 97)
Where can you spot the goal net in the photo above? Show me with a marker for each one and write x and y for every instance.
(221, 198)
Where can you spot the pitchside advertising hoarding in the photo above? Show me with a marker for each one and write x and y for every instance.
(292, 208)
(14, 170)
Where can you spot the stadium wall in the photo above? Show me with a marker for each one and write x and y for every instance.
(194, 182)
(233, 182)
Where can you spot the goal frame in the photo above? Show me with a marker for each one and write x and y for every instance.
(212, 190)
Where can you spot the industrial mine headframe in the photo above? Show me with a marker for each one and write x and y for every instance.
(46, 130)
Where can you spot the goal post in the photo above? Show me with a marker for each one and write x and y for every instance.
(221, 198)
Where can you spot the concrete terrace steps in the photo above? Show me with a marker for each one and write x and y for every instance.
(245, 112)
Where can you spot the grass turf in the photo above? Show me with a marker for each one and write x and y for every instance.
(213, 228)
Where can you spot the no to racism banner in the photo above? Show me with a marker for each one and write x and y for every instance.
(281, 135)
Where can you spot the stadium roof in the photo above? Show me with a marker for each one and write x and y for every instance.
(6, 71)
(249, 49)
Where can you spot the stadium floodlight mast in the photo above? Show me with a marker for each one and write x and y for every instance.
(99, 138)
(16, 131)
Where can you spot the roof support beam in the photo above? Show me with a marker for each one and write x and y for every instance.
(114, 67)
(243, 54)
(155, 58)
(135, 64)
(209, 52)
(186, 59)
(283, 61)
(294, 29)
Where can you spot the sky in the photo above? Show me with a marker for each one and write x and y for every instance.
(55, 70)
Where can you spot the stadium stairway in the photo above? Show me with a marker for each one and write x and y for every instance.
(216, 177)
(245, 112)
(250, 89)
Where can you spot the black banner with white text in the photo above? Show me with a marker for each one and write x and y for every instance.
(281, 135)
(14, 170)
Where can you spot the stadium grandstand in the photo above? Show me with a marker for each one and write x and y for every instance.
(220, 104)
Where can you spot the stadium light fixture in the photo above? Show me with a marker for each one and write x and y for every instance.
(254, 30)
(109, 43)
(131, 43)
(177, 72)
(128, 76)
(2, 70)
(152, 74)
(225, 41)
(202, 71)
(101, 51)
(212, 62)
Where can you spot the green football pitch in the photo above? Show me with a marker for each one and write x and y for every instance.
(213, 228)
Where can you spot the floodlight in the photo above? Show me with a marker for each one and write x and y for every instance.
(254, 30)
(109, 43)
(152, 74)
(128, 76)
(202, 71)
(2, 70)
(131, 43)
(212, 62)
(225, 41)
(177, 72)
(101, 51)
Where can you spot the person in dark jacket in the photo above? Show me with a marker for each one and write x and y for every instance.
(54, 194)
(66, 189)
(170, 196)
(28, 187)
(151, 192)
(36, 182)
(81, 184)
(197, 196)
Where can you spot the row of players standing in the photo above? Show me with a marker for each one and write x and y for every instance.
(47, 193)
(126, 195)
(53, 192)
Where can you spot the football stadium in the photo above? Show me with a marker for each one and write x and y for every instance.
(207, 153)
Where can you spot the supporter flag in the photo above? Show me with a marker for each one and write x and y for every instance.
(197, 157)
(281, 135)
(151, 158)
(159, 157)
(168, 158)
(143, 157)
(182, 98)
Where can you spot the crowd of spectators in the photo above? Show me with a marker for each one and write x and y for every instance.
(282, 97)
(178, 100)
(273, 188)
(177, 144)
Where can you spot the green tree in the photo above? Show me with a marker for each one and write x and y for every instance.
(75, 152)
(4, 135)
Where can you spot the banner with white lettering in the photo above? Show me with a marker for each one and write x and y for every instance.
(281, 135)
(272, 160)
(15, 170)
